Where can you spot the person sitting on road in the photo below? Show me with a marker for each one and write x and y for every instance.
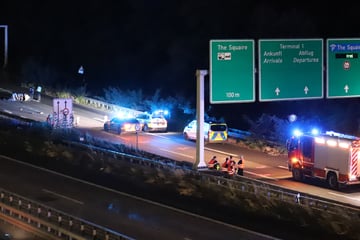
(226, 164)
(231, 170)
(232, 161)
(213, 163)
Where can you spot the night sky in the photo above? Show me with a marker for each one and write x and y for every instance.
(154, 44)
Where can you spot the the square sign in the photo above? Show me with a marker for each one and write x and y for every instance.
(343, 68)
(290, 69)
(232, 75)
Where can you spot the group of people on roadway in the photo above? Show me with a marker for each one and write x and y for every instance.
(230, 166)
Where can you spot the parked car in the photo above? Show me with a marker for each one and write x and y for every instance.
(122, 125)
(152, 122)
(213, 131)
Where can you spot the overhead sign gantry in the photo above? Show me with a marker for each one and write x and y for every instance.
(343, 68)
(232, 75)
(290, 69)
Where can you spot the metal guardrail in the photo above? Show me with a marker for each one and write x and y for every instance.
(94, 103)
(107, 107)
(49, 223)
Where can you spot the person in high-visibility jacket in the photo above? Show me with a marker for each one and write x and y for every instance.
(231, 170)
(240, 166)
(226, 163)
(213, 163)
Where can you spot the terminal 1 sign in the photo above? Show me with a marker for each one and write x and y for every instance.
(232, 74)
(290, 69)
(343, 68)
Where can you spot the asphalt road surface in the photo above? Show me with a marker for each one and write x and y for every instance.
(130, 215)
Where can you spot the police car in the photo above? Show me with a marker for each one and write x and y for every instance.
(214, 132)
(154, 122)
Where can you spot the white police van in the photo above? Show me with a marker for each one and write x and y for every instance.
(214, 132)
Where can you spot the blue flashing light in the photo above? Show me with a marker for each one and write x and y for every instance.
(297, 133)
(161, 112)
(315, 131)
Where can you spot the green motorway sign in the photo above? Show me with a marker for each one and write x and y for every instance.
(343, 68)
(232, 75)
(290, 69)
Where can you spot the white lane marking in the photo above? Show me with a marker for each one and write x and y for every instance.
(63, 196)
(284, 167)
(261, 175)
(340, 195)
(284, 177)
(225, 153)
(262, 167)
(165, 150)
(7, 111)
(157, 135)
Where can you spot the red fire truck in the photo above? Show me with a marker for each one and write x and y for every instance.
(332, 157)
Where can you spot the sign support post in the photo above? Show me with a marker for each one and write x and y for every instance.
(199, 161)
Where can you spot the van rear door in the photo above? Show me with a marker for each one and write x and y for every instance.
(218, 132)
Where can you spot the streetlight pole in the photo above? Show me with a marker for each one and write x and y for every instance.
(5, 44)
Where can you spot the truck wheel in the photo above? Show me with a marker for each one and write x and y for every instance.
(332, 180)
(297, 174)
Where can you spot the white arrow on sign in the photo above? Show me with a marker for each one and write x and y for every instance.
(306, 89)
(277, 91)
(346, 88)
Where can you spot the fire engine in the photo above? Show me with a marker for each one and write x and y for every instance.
(330, 156)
